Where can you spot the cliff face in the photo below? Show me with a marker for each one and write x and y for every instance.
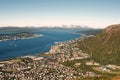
(104, 47)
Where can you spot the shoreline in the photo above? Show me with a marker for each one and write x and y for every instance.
(37, 54)
(55, 44)
(64, 59)
(51, 62)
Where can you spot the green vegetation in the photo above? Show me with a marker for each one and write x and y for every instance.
(104, 47)
(96, 78)
(90, 31)
(84, 68)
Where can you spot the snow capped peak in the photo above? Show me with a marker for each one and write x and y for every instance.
(67, 26)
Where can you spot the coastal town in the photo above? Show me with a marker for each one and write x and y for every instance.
(64, 51)
(51, 65)
(46, 67)
(18, 36)
(59, 40)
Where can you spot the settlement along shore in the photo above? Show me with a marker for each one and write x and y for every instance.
(46, 66)
(62, 62)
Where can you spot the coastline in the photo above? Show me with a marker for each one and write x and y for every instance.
(55, 44)
(52, 60)
(62, 61)
(36, 45)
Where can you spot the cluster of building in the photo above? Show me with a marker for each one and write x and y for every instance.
(46, 68)
(38, 69)
(64, 51)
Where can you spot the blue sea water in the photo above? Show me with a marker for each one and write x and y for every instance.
(15, 48)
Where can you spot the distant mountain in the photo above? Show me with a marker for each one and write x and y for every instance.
(36, 28)
(14, 29)
(72, 26)
(105, 46)
(49, 26)
(90, 31)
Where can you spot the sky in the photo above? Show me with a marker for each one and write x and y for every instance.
(93, 13)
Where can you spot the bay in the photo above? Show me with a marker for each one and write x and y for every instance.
(16, 48)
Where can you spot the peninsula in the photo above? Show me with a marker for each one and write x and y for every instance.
(18, 36)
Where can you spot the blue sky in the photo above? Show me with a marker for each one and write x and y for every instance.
(94, 13)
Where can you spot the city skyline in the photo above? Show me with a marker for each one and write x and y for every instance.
(93, 13)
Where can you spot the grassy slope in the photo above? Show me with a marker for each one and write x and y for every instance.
(104, 47)
(90, 31)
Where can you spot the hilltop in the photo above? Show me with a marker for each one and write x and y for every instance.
(113, 28)
(105, 46)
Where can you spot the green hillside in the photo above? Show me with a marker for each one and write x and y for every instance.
(90, 31)
(104, 47)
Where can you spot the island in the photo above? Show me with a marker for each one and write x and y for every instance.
(19, 36)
